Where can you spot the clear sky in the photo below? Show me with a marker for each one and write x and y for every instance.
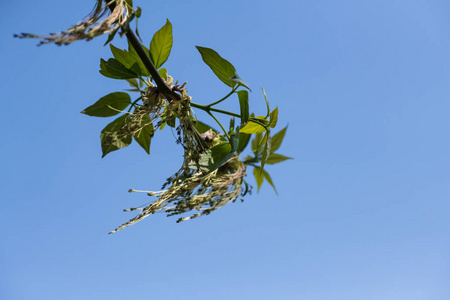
(362, 211)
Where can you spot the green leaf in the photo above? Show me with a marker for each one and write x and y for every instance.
(161, 45)
(277, 139)
(269, 179)
(273, 118)
(109, 105)
(130, 60)
(240, 81)
(112, 138)
(243, 102)
(275, 158)
(252, 127)
(223, 69)
(122, 56)
(144, 136)
(244, 138)
(114, 69)
(220, 152)
(259, 177)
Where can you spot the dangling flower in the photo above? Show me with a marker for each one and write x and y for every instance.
(92, 26)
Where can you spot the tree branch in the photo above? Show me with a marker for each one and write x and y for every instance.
(134, 41)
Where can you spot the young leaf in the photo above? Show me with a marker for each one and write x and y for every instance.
(240, 81)
(161, 45)
(243, 102)
(223, 69)
(273, 118)
(277, 139)
(144, 136)
(252, 127)
(275, 158)
(114, 69)
(259, 177)
(112, 139)
(109, 105)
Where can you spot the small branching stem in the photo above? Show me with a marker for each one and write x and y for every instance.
(208, 109)
(134, 103)
(218, 101)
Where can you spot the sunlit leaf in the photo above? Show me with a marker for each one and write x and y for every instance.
(275, 158)
(223, 69)
(259, 177)
(277, 139)
(273, 118)
(252, 127)
(109, 105)
(161, 45)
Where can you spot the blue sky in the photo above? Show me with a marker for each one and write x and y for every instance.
(362, 210)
